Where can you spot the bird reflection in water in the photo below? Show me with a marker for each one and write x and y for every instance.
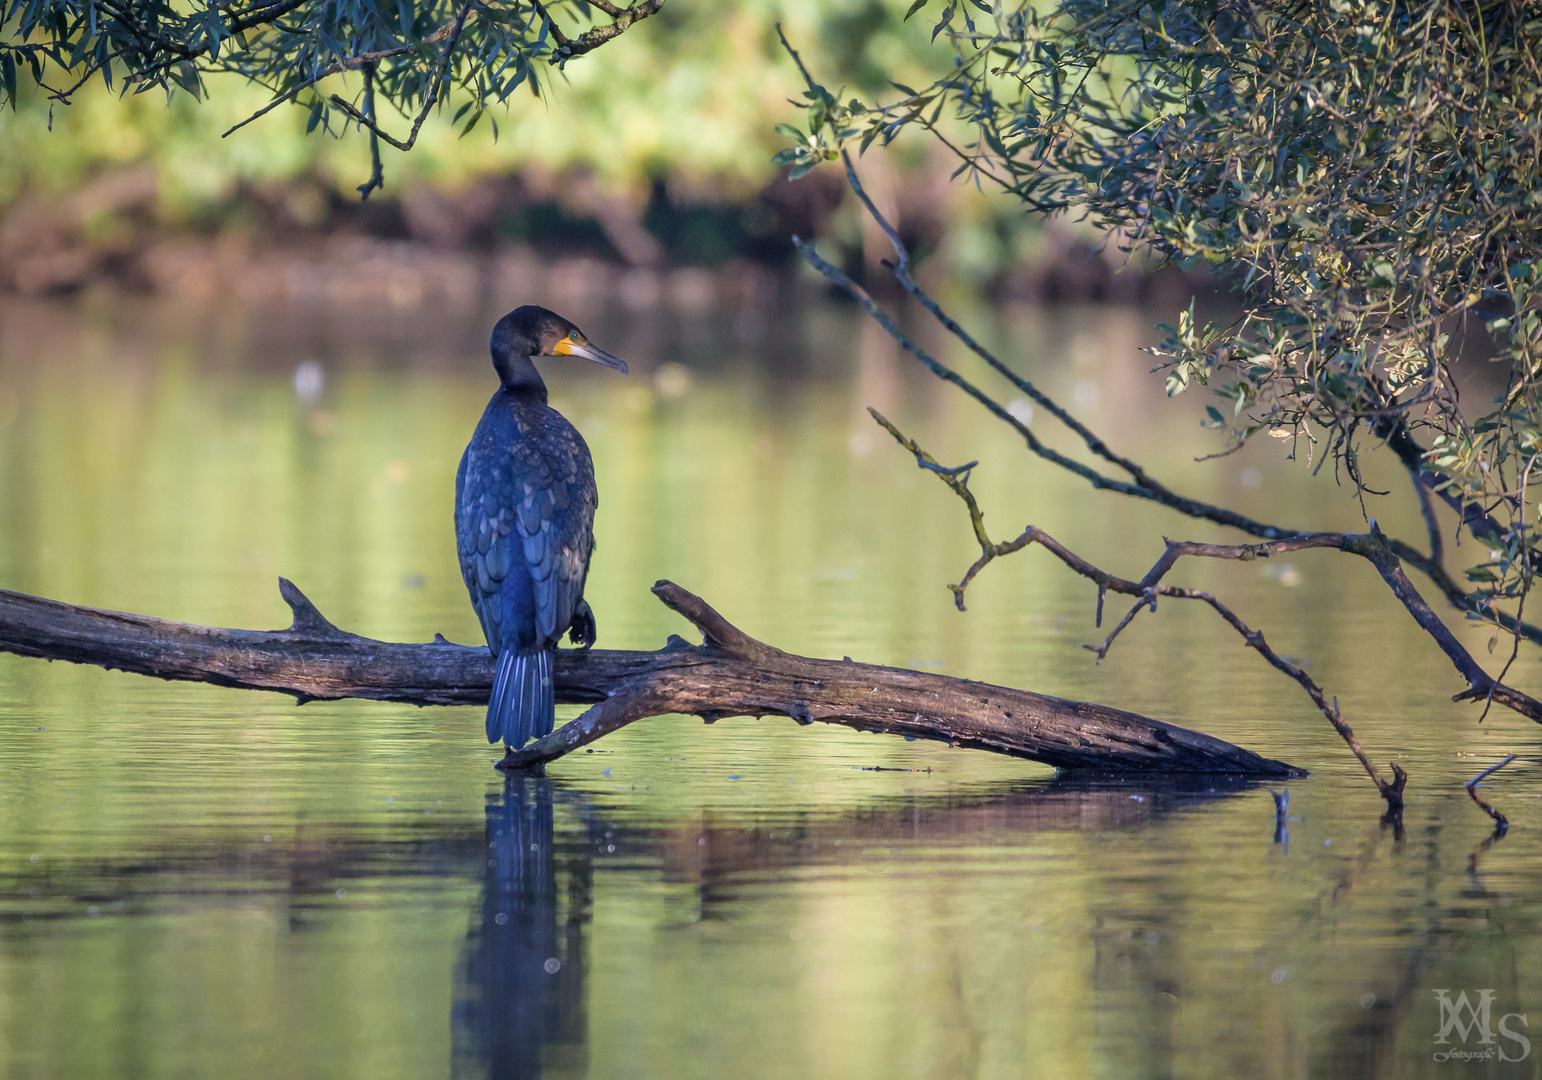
(519, 1007)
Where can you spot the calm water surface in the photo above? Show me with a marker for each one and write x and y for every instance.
(200, 882)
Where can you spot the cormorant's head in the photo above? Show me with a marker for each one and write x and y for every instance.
(534, 331)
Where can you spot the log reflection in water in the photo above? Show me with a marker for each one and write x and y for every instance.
(1139, 925)
(520, 1000)
(720, 852)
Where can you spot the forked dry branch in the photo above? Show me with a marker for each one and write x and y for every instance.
(1386, 554)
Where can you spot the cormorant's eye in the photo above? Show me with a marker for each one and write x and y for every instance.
(574, 336)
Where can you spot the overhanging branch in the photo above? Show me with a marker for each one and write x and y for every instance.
(1141, 484)
(1372, 546)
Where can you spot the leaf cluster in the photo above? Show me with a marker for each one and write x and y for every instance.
(411, 53)
(1366, 172)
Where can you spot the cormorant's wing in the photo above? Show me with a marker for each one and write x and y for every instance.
(524, 514)
(484, 520)
(554, 519)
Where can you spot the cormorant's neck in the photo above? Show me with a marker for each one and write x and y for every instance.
(519, 375)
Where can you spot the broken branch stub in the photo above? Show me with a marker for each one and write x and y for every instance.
(730, 674)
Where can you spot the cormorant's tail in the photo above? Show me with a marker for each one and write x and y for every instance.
(523, 705)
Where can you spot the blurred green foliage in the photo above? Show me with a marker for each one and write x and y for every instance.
(692, 91)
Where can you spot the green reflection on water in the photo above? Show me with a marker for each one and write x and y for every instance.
(225, 884)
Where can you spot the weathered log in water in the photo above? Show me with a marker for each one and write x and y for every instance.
(730, 674)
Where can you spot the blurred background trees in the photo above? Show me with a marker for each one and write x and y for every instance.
(653, 151)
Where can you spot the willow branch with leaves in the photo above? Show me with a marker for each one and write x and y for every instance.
(413, 56)
(1100, 123)
(1366, 175)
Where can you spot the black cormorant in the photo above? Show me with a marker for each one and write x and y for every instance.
(524, 522)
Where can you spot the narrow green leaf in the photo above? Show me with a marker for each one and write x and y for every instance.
(947, 17)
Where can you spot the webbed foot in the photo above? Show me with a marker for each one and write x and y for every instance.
(582, 632)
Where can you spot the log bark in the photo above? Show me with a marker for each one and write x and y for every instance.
(730, 674)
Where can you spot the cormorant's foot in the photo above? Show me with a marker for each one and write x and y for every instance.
(582, 632)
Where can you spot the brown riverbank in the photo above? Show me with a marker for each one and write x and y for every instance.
(559, 236)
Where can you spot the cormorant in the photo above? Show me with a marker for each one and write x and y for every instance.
(524, 522)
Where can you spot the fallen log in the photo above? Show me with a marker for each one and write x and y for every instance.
(729, 674)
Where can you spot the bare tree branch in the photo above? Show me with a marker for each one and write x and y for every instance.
(433, 94)
(901, 270)
(361, 60)
(377, 169)
(599, 35)
(1144, 486)
(1501, 823)
(556, 31)
(1431, 522)
(1371, 546)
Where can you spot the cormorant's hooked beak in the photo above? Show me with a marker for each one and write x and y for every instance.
(568, 347)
